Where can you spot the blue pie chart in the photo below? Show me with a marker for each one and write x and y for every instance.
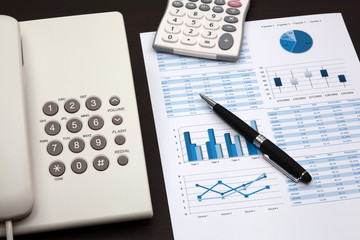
(296, 41)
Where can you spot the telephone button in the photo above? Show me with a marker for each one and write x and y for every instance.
(54, 148)
(76, 145)
(120, 140)
(96, 122)
(50, 108)
(52, 128)
(101, 163)
(74, 125)
(57, 169)
(114, 101)
(98, 142)
(72, 106)
(79, 166)
(123, 160)
(117, 120)
(93, 103)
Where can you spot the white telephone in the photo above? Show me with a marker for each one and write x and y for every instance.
(71, 150)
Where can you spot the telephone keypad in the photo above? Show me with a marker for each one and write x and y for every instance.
(76, 145)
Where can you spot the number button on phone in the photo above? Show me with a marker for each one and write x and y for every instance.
(50, 108)
(93, 103)
(57, 169)
(72, 106)
(76, 145)
(79, 166)
(96, 123)
(74, 125)
(54, 148)
(101, 163)
(98, 142)
(52, 128)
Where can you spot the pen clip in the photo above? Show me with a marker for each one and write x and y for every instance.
(274, 164)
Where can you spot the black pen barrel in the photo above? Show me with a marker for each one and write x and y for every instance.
(239, 125)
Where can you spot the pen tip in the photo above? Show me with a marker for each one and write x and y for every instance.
(306, 178)
(208, 100)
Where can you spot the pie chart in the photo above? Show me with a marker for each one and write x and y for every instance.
(296, 41)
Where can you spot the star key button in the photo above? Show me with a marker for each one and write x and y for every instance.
(57, 169)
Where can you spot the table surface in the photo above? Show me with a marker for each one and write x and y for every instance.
(144, 16)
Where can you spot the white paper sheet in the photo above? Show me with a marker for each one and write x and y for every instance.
(297, 82)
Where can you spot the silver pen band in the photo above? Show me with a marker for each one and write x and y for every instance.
(259, 140)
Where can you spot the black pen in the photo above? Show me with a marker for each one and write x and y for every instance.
(272, 153)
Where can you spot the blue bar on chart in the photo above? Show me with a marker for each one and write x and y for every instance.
(342, 78)
(278, 82)
(250, 146)
(234, 149)
(194, 152)
(324, 73)
(214, 150)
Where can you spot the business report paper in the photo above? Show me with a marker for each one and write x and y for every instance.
(297, 82)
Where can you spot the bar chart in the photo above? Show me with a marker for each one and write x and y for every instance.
(308, 78)
(217, 141)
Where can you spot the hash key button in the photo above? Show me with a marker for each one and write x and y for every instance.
(101, 163)
(226, 41)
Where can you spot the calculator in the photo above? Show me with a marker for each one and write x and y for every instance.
(203, 28)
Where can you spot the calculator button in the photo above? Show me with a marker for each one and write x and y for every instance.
(57, 169)
(231, 19)
(52, 128)
(177, 4)
(114, 101)
(79, 166)
(170, 38)
(76, 145)
(175, 21)
(96, 122)
(193, 0)
(117, 120)
(191, 5)
(120, 140)
(234, 4)
(93, 103)
(219, 2)
(206, 1)
(193, 23)
(188, 41)
(209, 34)
(195, 14)
(229, 28)
(192, 32)
(74, 125)
(98, 142)
(226, 41)
(218, 9)
(50, 108)
(233, 11)
(101, 163)
(54, 148)
(204, 7)
(211, 26)
(177, 12)
(213, 17)
(72, 106)
(123, 160)
(173, 29)
(207, 43)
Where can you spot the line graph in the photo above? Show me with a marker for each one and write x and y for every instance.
(240, 189)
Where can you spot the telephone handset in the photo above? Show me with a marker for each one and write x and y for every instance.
(81, 129)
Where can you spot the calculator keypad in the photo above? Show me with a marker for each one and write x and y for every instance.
(92, 139)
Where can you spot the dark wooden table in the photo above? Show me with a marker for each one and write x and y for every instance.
(143, 16)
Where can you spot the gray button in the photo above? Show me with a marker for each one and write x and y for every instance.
(229, 28)
(101, 163)
(93, 103)
(219, 2)
(114, 101)
(74, 125)
(50, 108)
(76, 145)
(204, 7)
(191, 5)
(52, 128)
(206, 1)
(57, 169)
(72, 106)
(233, 11)
(79, 166)
(177, 4)
(98, 142)
(120, 140)
(96, 122)
(226, 41)
(231, 19)
(217, 9)
(193, 0)
(117, 120)
(122, 160)
(54, 148)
